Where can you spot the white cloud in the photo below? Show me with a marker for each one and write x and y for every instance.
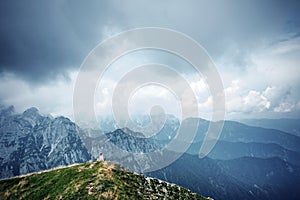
(255, 102)
(234, 102)
(284, 107)
(145, 98)
(199, 87)
(55, 98)
(233, 88)
(245, 102)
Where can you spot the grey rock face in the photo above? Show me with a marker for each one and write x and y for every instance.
(31, 142)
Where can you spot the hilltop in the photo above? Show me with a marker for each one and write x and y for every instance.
(92, 180)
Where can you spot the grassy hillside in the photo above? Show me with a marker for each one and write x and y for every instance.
(98, 180)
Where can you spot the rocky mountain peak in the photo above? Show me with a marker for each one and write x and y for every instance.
(33, 111)
(32, 116)
(132, 133)
(7, 110)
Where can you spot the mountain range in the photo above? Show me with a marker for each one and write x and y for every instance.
(247, 162)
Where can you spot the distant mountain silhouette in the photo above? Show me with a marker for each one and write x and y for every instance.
(287, 125)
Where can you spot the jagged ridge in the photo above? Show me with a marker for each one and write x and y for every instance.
(31, 142)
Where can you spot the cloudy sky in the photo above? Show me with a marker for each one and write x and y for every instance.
(255, 46)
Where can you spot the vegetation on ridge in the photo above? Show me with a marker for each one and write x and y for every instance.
(92, 180)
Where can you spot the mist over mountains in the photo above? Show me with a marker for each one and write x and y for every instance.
(246, 163)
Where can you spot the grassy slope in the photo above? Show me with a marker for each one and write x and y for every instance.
(100, 180)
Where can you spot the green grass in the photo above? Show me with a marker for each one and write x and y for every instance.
(99, 180)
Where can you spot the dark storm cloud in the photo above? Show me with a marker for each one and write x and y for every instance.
(39, 40)
(229, 28)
